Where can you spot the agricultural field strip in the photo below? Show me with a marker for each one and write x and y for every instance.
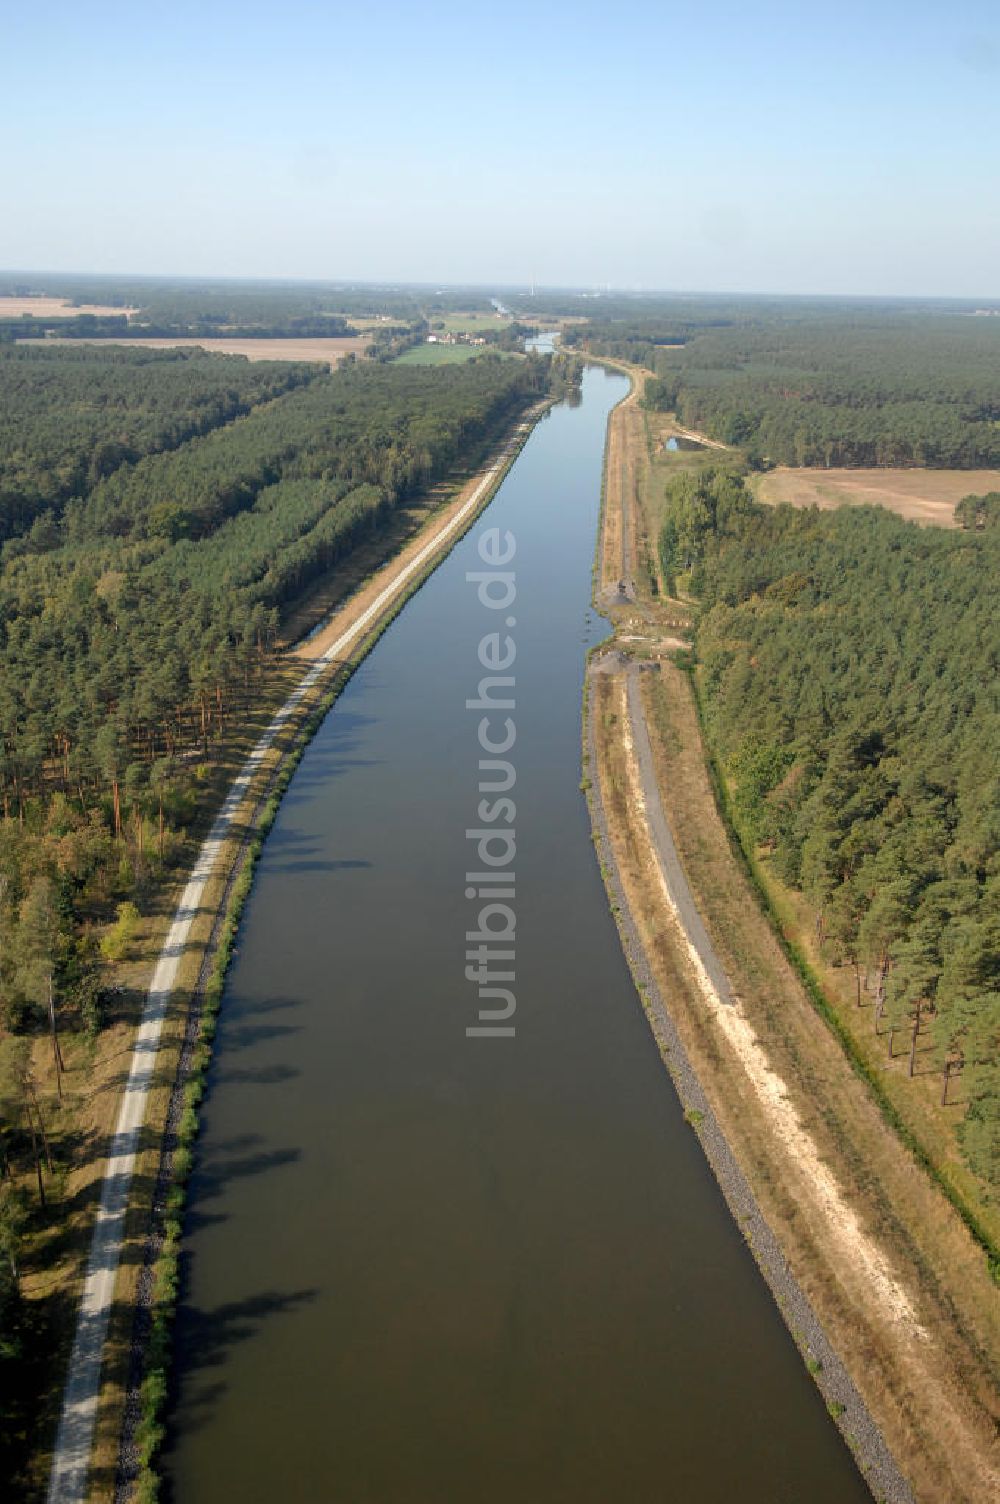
(327, 349)
(68, 1480)
(59, 308)
(914, 493)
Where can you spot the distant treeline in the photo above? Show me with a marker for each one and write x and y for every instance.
(796, 386)
(848, 662)
(240, 323)
(638, 342)
(172, 309)
(888, 393)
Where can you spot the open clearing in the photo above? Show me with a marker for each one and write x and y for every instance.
(55, 308)
(438, 355)
(469, 323)
(377, 321)
(926, 496)
(330, 351)
(550, 320)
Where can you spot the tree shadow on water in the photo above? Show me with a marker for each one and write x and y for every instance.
(337, 751)
(269, 1005)
(319, 864)
(204, 1338)
(235, 1036)
(294, 851)
(212, 1176)
(215, 1171)
(261, 1075)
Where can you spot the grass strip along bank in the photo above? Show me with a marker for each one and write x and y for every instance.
(73, 1446)
(933, 1399)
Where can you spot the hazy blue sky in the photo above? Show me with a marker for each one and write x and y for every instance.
(839, 147)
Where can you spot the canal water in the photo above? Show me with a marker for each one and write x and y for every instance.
(427, 1268)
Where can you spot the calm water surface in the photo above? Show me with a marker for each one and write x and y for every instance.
(424, 1269)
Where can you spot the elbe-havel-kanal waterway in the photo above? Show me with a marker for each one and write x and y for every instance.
(423, 1268)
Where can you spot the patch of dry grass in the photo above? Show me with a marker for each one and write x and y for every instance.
(925, 496)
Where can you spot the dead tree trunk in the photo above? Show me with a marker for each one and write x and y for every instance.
(913, 1042)
(35, 1155)
(56, 1049)
(41, 1125)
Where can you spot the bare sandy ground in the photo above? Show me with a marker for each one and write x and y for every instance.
(55, 308)
(330, 351)
(817, 1183)
(699, 438)
(925, 496)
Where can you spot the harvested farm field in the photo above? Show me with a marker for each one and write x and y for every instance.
(328, 349)
(56, 308)
(925, 496)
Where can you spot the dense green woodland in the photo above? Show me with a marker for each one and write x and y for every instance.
(800, 386)
(921, 393)
(849, 667)
(979, 512)
(71, 417)
(131, 620)
(137, 618)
